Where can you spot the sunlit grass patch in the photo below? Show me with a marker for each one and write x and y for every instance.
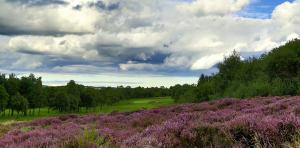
(9, 122)
(156, 101)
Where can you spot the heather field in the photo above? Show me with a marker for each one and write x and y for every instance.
(230, 122)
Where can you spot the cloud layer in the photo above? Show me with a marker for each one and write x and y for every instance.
(149, 37)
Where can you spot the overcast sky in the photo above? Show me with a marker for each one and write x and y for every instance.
(137, 42)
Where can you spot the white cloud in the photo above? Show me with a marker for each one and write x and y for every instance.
(139, 66)
(207, 61)
(212, 7)
(28, 62)
(64, 19)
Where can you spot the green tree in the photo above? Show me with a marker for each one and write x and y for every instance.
(39, 96)
(201, 79)
(228, 68)
(14, 83)
(61, 102)
(284, 61)
(72, 88)
(204, 91)
(19, 104)
(3, 98)
(88, 98)
(50, 96)
(26, 89)
(4, 82)
(188, 97)
(74, 102)
(74, 95)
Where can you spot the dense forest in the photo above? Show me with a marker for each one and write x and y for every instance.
(27, 93)
(275, 73)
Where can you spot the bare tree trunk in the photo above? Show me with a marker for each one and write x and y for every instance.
(8, 112)
(18, 116)
(33, 111)
(12, 112)
(48, 109)
(30, 112)
(86, 109)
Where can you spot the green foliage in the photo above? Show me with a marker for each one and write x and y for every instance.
(27, 90)
(260, 86)
(88, 98)
(74, 102)
(241, 91)
(283, 61)
(204, 91)
(92, 136)
(19, 103)
(72, 88)
(181, 99)
(61, 101)
(228, 68)
(3, 98)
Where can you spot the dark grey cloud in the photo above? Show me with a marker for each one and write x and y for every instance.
(113, 6)
(62, 42)
(38, 2)
(157, 58)
(78, 7)
(5, 29)
(121, 54)
(31, 52)
(166, 46)
(98, 4)
(101, 6)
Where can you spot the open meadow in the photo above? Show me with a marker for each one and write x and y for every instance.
(123, 105)
(254, 122)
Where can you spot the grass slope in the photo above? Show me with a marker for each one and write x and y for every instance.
(125, 105)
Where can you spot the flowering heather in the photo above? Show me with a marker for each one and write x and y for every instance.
(256, 122)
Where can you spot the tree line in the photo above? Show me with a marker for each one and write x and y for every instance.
(26, 94)
(274, 73)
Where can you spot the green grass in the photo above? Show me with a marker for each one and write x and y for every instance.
(125, 105)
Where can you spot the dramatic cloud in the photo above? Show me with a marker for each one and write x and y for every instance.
(86, 17)
(152, 38)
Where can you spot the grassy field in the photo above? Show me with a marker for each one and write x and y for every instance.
(125, 105)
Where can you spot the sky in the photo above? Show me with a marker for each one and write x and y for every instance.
(148, 43)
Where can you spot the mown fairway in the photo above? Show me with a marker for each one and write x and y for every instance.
(121, 106)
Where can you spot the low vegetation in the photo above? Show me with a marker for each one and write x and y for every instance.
(254, 122)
